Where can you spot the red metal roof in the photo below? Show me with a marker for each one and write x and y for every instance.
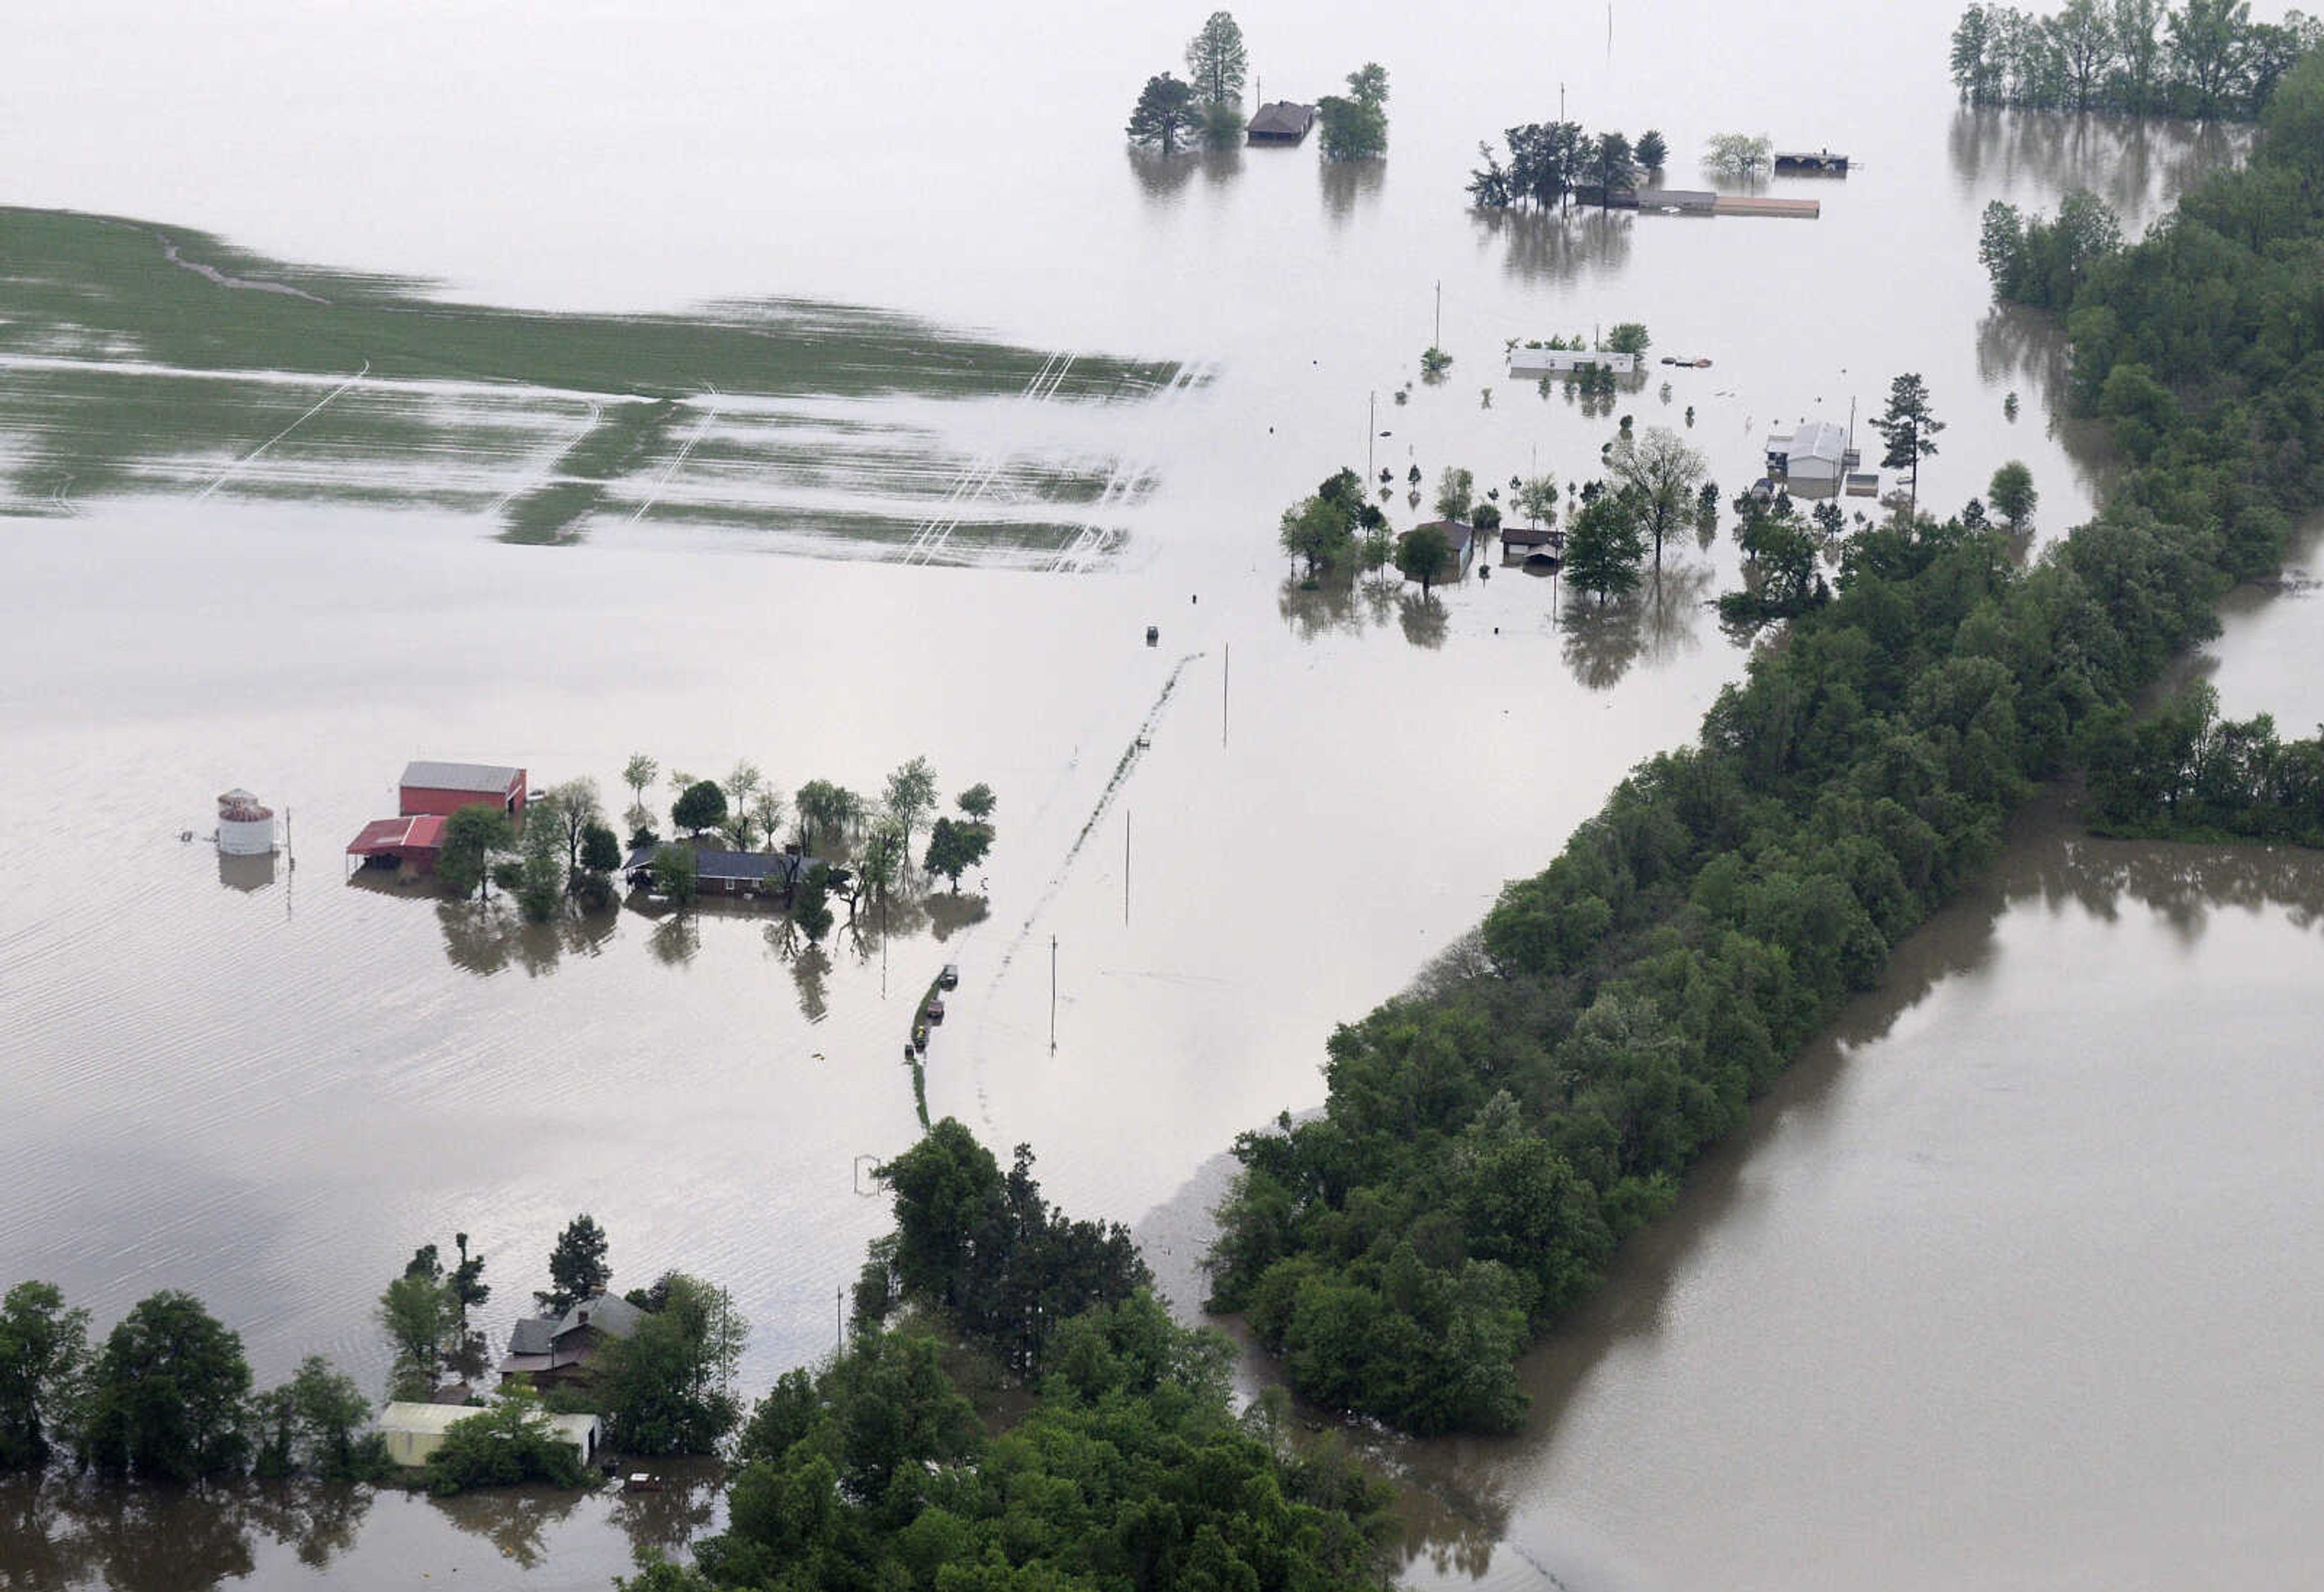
(421, 832)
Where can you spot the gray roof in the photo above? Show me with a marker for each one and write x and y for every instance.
(751, 867)
(1821, 439)
(1284, 118)
(614, 1317)
(537, 1334)
(461, 776)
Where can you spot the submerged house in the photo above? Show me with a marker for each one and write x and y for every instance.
(1529, 363)
(1522, 544)
(413, 1430)
(1814, 455)
(1462, 539)
(414, 842)
(556, 1351)
(1281, 122)
(726, 873)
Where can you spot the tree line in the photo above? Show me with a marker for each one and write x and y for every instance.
(2205, 59)
(1123, 1463)
(1550, 161)
(1489, 1138)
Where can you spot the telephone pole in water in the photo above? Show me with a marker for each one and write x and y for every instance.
(1053, 994)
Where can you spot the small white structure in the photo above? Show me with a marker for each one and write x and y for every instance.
(1817, 452)
(246, 825)
(1529, 363)
(415, 1430)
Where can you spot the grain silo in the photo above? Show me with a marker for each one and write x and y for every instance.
(245, 825)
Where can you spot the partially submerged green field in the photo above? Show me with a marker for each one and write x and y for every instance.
(140, 359)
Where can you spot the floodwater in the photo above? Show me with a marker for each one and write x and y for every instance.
(269, 1086)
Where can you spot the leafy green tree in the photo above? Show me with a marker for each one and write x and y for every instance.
(741, 788)
(1220, 127)
(954, 848)
(467, 1285)
(979, 802)
(885, 854)
(1612, 167)
(542, 879)
(1629, 337)
(506, 1444)
(2210, 41)
(576, 1267)
(167, 1395)
(1354, 128)
(43, 1361)
(1537, 498)
(1738, 154)
(1423, 555)
(312, 1423)
(702, 806)
(1456, 493)
(1909, 427)
(637, 774)
(1165, 114)
(668, 1387)
(473, 837)
(675, 873)
(1653, 149)
(1661, 474)
(1605, 546)
(419, 1316)
(811, 903)
(1375, 550)
(1217, 61)
(601, 849)
(828, 808)
(911, 794)
(1315, 529)
(2013, 494)
(573, 805)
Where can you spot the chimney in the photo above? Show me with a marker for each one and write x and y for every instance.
(584, 1315)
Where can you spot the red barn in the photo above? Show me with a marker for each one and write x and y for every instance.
(445, 788)
(414, 842)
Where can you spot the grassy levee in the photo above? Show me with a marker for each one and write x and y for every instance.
(1491, 1137)
(149, 359)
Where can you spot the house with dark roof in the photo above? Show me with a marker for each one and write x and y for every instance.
(725, 872)
(556, 1351)
(1281, 122)
(1462, 541)
(1523, 544)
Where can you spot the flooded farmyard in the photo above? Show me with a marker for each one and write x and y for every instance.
(267, 1080)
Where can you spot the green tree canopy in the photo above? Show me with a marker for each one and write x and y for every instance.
(668, 1387)
(43, 1359)
(701, 806)
(1909, 427)
(1217, 61)
(1423, 555)
(473, 837)
(2012, 494)
(1605, 545)
(1165, 114)
(577, 1268)
(167, 1395)
(504, 1445)
(1355, 126)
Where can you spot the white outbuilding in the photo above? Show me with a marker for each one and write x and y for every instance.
(1817, 453)
(415, 1430)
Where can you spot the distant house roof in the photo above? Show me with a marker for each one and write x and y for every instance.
(1675, 198)
(1283, 118)
(546, 1343)
(1527, 536)
(747, 867)
(1815, 439)
(1456, 537)
(489, 777)
(426, 1420)
(420, 832)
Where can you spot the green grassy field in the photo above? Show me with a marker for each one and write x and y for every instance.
(138, 358)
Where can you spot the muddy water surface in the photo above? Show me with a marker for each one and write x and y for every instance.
(269, 1089)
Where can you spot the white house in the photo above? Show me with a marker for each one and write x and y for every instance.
(1529, 363)
(1816, 453)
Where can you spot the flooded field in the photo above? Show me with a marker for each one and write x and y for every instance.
(269, 1085)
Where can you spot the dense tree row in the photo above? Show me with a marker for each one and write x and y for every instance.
(2043, 262)
(166, 1397)
(2183, 773)
(1488, 1139)
(2204, 58)
(1549, 160)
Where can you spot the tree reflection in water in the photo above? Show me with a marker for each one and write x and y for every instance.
(1347, 184)
(486, 938)
(1658, 622)
(661, 1523)
(2131, 163)
(1423, 618)
(62, 1532)
(1544, 246)
(1162, 177)
(514, 1520)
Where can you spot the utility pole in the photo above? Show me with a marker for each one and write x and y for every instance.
(1053, 994)
(839, 1320)
(1372, 431)
(1125, 864)
(1438, 341)
(1226, 680)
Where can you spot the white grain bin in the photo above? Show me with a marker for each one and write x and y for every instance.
(245, 825)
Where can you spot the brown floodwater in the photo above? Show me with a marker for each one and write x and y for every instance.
(268, 1085)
